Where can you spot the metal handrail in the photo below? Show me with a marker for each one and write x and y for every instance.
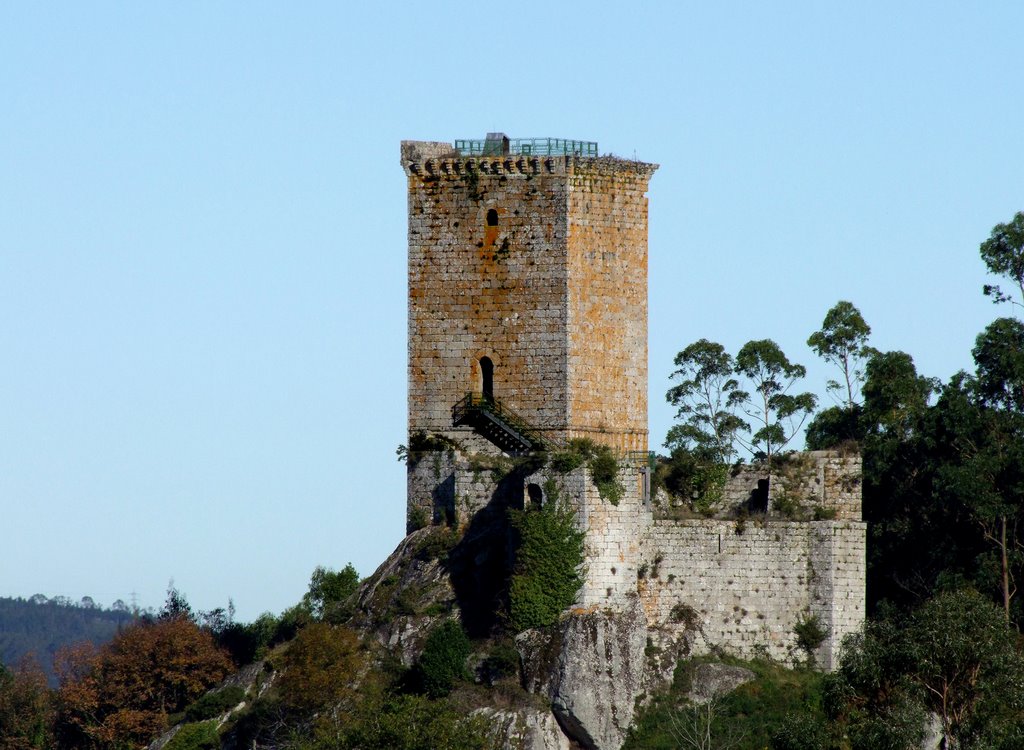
(529, 146)
(478, 402)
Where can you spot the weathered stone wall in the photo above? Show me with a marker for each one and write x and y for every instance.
(539, 264)
(748, 590)
(481, 291)
(804, 484)
(614, 541)
(430, 488)
(744, 583)
(607, 317)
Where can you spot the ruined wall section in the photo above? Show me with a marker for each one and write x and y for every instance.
(479, 290)
(607, 309)
(614, 541)
(803, 484)
(745, 592)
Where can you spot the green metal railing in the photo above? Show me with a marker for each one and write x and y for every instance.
(475, 404)
(528, 146)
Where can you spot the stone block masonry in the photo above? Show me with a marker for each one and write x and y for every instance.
(539, 266)
(528, 286)
(747, 591)
(743, 583)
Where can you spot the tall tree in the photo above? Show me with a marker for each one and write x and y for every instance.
(776, 413)
(706, 396)
(26, 709)
(119, 696)
(953, 657)
(843, 342)
(999, 358)
(1003, 253)
(895, 396)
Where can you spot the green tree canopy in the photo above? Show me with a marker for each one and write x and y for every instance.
(329, 591)
(706, 396)
(1003, 253)
(843, 342)
(776, 413)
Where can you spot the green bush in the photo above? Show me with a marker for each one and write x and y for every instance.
(604, 470)
(214, 704)
(413, 722)
(502, 662)
(196, 737)
(801, 731)
(697, 479)
(443, 660)
(546, 575)
(748, 718)
(810, 634)
(329, 592)
(565, 461)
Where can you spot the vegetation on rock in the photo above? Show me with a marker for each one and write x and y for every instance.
(548, 560)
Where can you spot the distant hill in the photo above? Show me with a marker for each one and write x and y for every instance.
(42, 626)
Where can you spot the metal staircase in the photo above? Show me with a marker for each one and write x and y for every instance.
(499, 424)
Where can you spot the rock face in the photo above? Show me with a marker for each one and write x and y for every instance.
(527, 729)
(598, 675)
(713, 680)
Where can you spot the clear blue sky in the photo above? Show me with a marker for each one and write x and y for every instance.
(202, 239)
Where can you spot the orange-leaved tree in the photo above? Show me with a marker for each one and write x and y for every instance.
(120, 695)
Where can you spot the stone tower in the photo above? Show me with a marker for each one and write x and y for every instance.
(527, 293)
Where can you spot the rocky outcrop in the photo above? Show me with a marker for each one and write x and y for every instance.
(526, 729)
(591, 668)
(711, 681)
(393, 602)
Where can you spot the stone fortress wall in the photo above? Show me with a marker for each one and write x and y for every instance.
(539, 265)
(738, 584)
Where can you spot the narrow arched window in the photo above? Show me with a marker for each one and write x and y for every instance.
(492, 217)
(536, 495)
(487, 378)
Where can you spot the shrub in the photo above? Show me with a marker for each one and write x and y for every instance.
(443, 660)
(565, 461)
(329, 591)
(323, 665)
(195, 737)
(695, 478)
(215, 704)
(413, 722)
(801, 731)
(810, 634)
(503, 661)
(417, 518)
(546, 576)
(604, 470)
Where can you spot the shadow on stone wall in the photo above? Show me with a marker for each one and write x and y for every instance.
(480, 565)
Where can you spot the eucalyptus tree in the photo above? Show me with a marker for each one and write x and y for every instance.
(776, 413)
(706, 397)
(1003, 253)
(843, 342)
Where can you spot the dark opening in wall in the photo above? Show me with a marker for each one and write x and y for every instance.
(492, 217)
(536, 495)
(487, 378)
(758, 500)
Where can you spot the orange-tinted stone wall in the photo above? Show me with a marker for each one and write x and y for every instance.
(607, 250)
(555, 293)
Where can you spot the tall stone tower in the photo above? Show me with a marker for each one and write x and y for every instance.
(527, 293)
